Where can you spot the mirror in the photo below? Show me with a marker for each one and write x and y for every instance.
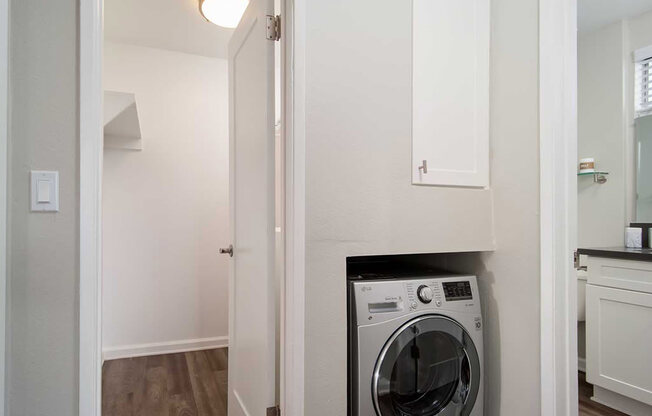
(614, 119)
(643, 131)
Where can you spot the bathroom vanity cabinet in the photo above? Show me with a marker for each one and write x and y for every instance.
(619, 329)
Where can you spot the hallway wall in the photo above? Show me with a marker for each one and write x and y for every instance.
(43, 260)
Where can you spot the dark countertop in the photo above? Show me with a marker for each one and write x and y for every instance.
(640, 254)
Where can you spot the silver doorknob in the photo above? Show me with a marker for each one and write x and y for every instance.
(228, 250)
(424, 167)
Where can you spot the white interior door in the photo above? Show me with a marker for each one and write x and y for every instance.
(252, 347)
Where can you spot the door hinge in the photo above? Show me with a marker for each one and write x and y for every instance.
(274, 411)
(273, 27)
(577, 262)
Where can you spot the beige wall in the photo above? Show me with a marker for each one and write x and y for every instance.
(360, 199)
(44, 247)
(510, 279)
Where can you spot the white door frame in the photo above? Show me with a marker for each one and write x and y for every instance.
(558, 205)
(293, 125)
(91, 138)
(90, 223)
(4, 161)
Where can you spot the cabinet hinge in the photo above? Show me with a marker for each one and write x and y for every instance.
(273, 27)
(576, 261)
(274, 411)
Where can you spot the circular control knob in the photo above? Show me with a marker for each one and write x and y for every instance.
(425, 294)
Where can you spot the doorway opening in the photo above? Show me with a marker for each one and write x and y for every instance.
(165, 211)
(182, 196)
(614, 47)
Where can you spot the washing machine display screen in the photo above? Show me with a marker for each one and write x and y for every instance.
(457, 291)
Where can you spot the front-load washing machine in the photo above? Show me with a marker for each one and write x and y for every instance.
(415, 346)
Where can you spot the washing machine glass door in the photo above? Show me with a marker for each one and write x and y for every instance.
(429, 366)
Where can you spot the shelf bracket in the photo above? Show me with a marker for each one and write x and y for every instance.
(599, 178)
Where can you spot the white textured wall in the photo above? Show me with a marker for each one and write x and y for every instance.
(166, 207)
(640, 31)
(509, 279)
(360, 199)
(42, 310)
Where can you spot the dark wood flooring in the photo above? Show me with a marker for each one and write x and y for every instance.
(186, 384)
(194, 384)
(587, 406)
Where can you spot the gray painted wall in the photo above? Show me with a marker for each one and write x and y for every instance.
(360, 201)
(43, 258)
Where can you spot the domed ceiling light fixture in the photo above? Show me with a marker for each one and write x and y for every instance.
(225, 13)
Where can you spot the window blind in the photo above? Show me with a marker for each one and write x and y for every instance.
(643, 91)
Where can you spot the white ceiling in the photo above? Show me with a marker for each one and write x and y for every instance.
(593, 14)
(166, 24)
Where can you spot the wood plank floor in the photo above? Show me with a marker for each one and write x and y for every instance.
(186, 384)
(587, 406)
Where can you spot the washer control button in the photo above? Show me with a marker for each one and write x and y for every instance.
(438, 302)
(413, 305)
(425, 294)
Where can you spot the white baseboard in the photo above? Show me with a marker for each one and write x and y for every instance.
(170, 347)
(581, 364)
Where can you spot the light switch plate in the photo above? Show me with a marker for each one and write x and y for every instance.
(45, 191)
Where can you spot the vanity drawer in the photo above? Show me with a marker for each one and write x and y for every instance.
(622, 274)
(618, 340)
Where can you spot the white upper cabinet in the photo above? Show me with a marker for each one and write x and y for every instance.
(450, 93)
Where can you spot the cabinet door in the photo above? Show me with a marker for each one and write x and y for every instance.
(450, 92)
(618, 341)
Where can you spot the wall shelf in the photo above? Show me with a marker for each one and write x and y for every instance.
(121, 122)
(598, 177)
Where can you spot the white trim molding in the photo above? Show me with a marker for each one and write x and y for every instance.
(293, 301)
(170, 347)
(90, 215)
(4, 162)
(558, 205)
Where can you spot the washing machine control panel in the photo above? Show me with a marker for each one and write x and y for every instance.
(382, 300)
(456, 293)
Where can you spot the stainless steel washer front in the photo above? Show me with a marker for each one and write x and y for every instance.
(415, 346)
(429, 367)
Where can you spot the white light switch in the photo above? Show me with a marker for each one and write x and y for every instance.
(45, 191)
